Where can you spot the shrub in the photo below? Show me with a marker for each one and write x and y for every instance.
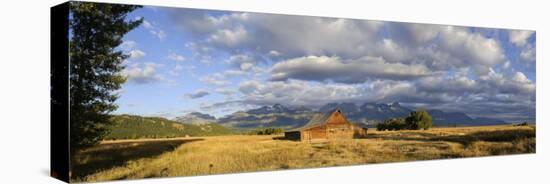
(415, 121)
(419, 119)
(267, 131)
(392, 124)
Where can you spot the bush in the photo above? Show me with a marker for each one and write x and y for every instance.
(415, 121)
(522, 124)
(267, 131)
(419, 120)
(392, 124)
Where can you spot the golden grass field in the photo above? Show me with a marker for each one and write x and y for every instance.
(132, 159)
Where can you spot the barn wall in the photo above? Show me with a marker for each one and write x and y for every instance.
(340, 131)
(314, 133)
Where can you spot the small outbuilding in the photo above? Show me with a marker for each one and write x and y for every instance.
(331, 125)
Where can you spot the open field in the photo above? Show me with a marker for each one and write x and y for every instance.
(114, 160)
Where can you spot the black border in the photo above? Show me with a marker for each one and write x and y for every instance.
(59, 81)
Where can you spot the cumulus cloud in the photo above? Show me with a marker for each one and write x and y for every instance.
(528, 53)
(300, 60)
(226, 91)
(175, 57)
(154, 30)
(325, 68)
(248, 87)
(242, 61)
(291, 35)
(295, 93)
(128, 45)
(197, 94)
(516, 84)
(130, 48)
(200, 52)
(214, 79)
(473, 48)
(142, 74)
(233, 73)
(176, 70)
(136, 54)
(274, 53)
(229, 37)
(519, 37)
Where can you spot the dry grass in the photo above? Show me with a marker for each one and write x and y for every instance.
(241, 153)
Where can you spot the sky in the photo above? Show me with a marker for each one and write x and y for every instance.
(219, 62)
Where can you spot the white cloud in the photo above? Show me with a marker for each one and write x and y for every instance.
(472, 48)
(517, 84)
(324, 68)
(175, 57)
(242, 61)
(229, 37)
(128, 45)
(226, 91)
(154, 30)
(506, 65)
(292, 35)
(142, 74)
(519, 37)
(248, 87)
(528, 53)
(307, 58)
(297, 93)
(197, 94)
(136, 54)
(521, 78)
(435, 46)
(274, 53)
(176, 70)
(214, 79)
(233, 73)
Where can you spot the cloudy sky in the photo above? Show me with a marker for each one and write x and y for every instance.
(218, 62)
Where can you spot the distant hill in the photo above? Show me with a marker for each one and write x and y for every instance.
(132, 127)
(442, 118)
(279, 116)
(196, 118)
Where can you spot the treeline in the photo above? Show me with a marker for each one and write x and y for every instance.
(416, 120)
(267, 131)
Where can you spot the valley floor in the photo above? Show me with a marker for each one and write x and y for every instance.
(133, 159)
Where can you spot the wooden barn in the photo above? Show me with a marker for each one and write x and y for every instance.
(331, 125)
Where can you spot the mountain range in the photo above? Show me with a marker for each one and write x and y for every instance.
(368, 114)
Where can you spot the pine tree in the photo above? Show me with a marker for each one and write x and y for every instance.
(95, 31)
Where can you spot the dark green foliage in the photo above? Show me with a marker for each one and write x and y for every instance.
(415, 121)
(419, 119)
(267, 131)
(392, 124)
(135, 127)
(95, 31)
(521, 124)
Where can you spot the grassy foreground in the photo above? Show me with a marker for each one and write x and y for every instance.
(241, 153)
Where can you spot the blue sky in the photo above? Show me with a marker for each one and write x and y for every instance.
(219, 62)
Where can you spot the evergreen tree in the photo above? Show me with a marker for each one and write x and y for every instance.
(96, 29)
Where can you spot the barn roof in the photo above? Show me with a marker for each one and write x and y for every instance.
(317, 120)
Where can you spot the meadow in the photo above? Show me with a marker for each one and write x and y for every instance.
(145, 158)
